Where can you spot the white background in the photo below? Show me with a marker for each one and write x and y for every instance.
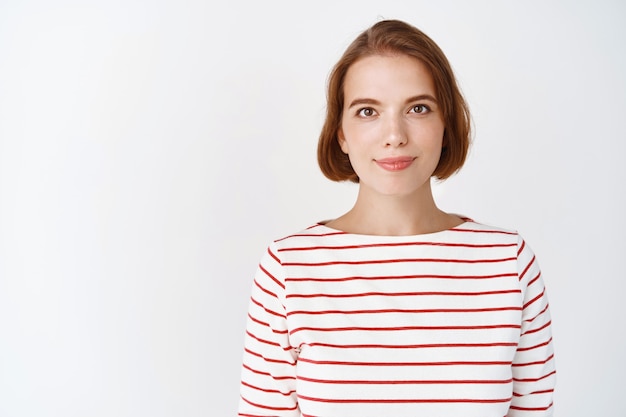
(150, 150)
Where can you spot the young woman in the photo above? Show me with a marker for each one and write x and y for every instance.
(397, 308)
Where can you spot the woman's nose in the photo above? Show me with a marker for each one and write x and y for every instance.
(395, 134)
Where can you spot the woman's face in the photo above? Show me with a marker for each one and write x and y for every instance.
(391, 127)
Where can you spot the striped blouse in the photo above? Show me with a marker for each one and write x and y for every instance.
(452, 323)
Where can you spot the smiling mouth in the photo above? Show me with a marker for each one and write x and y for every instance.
(395, 164)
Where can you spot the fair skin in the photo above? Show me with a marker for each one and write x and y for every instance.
(392, 130)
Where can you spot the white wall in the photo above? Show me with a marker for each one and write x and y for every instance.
(149, 150)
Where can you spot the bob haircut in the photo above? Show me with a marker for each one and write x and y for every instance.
(396, 37)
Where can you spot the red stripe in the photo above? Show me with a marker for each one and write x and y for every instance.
(401, 328)
(398, 277)
(515, 407)
(545, 391)
(310, 235)
(268, 292)
(278, 378)
(255, 415)
(449, 310)
(258, 355)
(386, 261)
(538, 314)
(527, 268)
(267, 310)
(402, 244)
(538, 329)
(532, 281)
(269, 251)
(254, 319)
(542, 344)
(538, 297)
(266, 272)
(405, 382)
(457, 363)
(497, 232)
(535, 379)
(402, 400)
(404, 294)
(543, 362)
(273, 391)
(422, 346)
(268, 342)
(267, 407)
(265, 324)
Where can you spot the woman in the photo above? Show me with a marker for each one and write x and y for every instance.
(397, 308)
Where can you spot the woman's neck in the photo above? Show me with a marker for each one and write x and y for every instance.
(375, 214)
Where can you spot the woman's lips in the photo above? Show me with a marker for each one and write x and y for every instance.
(396, 163)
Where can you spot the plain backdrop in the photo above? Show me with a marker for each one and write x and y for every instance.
(150, 150)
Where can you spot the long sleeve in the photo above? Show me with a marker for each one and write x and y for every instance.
(442, 324)
(268, 373)
(533, 366)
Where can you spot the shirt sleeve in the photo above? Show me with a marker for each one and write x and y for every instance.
(533, 365)
(268, 376)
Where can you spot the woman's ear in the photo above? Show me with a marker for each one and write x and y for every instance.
(342, 141)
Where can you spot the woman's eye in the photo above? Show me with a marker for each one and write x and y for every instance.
(366, 112)
(420, 109)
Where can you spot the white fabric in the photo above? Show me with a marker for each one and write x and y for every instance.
(453, 323)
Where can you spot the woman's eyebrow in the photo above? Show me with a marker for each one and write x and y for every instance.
(374, 102)
(360, 101)
(421, 97)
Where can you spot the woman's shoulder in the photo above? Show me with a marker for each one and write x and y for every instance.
(471, 225)
(315, 231)
(485, 232)
(319, 233)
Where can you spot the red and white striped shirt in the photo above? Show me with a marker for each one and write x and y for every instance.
(453, 323)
